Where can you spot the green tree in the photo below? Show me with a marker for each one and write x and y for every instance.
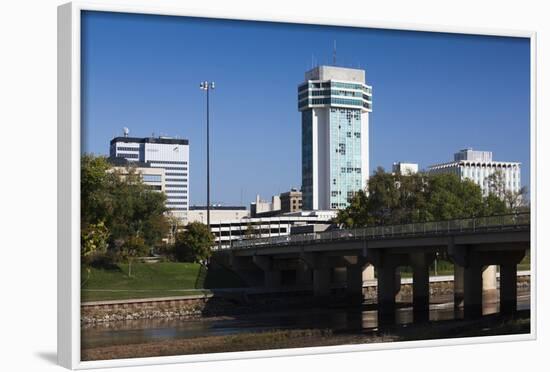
(133, 247)
(397, 199)
(93, 240)
(194, 243)
(129, 209)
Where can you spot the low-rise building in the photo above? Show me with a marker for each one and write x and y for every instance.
(228, 232)
(218, 213)
(404, 168)
(478, 166)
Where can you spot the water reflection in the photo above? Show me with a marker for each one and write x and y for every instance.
(337, 319)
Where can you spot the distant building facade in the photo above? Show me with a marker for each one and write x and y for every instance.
(478, 166)
(335, 104)
(263, 208)
(170, 154)
(287, 202)
(291, 201)
(405, 168)
(218, 213)
(153, 177)
(228, 232)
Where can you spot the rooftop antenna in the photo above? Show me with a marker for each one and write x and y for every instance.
(126, 131)
(334, 54)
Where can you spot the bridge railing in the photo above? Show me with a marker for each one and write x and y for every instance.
(474, 224)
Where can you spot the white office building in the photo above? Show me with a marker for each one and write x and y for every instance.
(404, 168)
(335, 103)
(478, 166)
(170, 154)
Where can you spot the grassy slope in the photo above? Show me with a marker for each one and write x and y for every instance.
(151, 280)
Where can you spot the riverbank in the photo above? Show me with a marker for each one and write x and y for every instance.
(231, 302)
(489, 325)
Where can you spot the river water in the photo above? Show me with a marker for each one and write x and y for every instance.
(337, 319)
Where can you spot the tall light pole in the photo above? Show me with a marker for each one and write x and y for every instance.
(207, 86)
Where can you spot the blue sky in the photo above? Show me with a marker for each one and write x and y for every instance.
(433, 94)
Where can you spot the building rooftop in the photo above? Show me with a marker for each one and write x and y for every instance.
(163, 140)
(218, 207)
(336, 73)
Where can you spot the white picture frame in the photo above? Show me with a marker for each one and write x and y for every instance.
(69, 181)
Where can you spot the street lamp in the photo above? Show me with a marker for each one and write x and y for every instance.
(207, 86)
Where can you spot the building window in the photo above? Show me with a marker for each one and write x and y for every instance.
(152, 178)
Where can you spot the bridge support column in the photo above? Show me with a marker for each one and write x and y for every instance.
(473, 291)
(304, 276)
(272, 277)
(420, 263)
(321, 281)
(508, 288)
(386, 293)
(354, 283)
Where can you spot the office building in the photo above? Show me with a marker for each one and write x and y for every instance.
(291, 201)
(404, 168)
(170, 154)
(153, 177)
(335, 104)
(286, 202)
(478, 166)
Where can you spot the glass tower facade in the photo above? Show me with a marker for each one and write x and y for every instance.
(335, 103)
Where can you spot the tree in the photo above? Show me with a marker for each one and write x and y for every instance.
(399, 199)
(130, 211)
(93, 240)
(133, 247)
(194, 243)
(514, 201)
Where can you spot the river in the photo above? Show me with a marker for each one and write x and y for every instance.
(338, 319)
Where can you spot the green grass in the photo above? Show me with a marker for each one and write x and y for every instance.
(163, 279)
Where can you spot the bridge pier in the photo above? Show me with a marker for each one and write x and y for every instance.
(473, 291)
(387, 287)
(304, 275)
(272, 277)
(420, 263)
(322, 271)
(354, 282)
(508, 288)
(321, 281)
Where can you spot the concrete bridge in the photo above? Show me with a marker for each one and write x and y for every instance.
(474, 245)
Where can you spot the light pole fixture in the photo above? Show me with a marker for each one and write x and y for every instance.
(207, 86)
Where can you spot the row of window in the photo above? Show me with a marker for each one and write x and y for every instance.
(160, 162)
(177, 198)
(176, 179)
(175, 191)
(127, 148)
(131, 156)
(171, 168)
(179, 209)
(152, 178)
(175, 174)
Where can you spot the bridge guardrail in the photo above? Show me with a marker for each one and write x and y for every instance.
(413, 229)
